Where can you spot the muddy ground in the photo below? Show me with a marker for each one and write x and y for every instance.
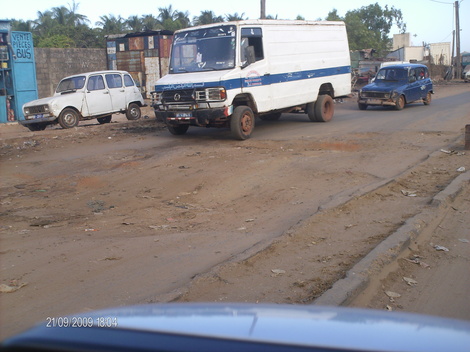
(124, 213)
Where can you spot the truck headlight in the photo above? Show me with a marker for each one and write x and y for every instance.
(211, 94)
(26, 111)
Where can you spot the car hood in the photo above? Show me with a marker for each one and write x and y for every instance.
(383, 86)
(48, 100)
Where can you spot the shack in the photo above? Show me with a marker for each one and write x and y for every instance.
(17, 72)
(145, 55)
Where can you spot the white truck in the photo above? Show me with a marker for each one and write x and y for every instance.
(226, 74)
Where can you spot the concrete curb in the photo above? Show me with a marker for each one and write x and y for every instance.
(345, 290)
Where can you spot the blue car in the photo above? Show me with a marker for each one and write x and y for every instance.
(212, 327)
(397, 85)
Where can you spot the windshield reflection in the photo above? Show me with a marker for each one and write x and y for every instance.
(204, 50)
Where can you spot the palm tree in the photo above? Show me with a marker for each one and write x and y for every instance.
(135, 24)
(112, 24)
(207, 17)
(235, 17)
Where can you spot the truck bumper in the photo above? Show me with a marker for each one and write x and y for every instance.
(216, 117)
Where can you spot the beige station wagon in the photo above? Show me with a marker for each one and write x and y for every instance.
(92, 95)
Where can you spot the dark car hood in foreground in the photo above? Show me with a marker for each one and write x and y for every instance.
(216, 327)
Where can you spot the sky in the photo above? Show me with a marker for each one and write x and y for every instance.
(429, 21)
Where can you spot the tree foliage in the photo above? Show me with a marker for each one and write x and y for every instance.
(369, 27)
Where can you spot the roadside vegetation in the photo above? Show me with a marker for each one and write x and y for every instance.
(65, 27)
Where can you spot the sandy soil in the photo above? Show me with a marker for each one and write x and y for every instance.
(102, 216)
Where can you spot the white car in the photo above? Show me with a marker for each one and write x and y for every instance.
(466, 76)
(86, 96)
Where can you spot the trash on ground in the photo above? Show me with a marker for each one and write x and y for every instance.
(464, 240)
(461, 169)
(418, 261)
(410, 281)
(452, 152)
(408, 193)
(392, 295)
(9, 289)
(441, 248)
(278, 271)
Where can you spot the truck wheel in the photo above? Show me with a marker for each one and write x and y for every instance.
(104, 119)
(310, 109)
(133, 112)
(362, 106)
(37, 126)
(178, 130)
(68, 118)
(400, 103)
(242, 122)
(428, 99)
(324, 108)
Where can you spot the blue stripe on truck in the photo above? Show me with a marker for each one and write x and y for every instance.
(254, 81)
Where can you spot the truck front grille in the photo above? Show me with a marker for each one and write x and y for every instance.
(178, 96)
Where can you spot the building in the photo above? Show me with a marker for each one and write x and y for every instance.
(145, 55)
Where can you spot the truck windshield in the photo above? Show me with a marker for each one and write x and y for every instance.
(203, 50)
(71, 84)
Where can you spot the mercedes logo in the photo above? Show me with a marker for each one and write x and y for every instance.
(177, 97)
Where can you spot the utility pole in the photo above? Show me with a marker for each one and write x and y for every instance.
(458, 69)
(263, 10)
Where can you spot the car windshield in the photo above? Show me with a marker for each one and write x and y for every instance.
(203, 50)
(71, 84)
(392, 74)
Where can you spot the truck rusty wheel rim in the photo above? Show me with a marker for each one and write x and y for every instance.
(247, 122)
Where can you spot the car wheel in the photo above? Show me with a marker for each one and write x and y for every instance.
(324, 108)
(428, 99)
(400, 103)
(133, 112)
(242, 122)
(362, 106)
(178, 130)
(105, 119)
(69, 118)
(37, 126)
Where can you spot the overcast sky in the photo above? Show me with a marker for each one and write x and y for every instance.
(430, 21)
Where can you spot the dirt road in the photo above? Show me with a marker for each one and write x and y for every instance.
(124, 213)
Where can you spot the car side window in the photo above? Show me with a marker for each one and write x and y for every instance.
(128, 82)
(95, 83)
(114, 80)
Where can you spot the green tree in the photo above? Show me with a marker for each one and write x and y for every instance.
(207, 17)
(369, 27)
(135, 24)
(172, 20)
(56, 41)
(235, 17)
(112, 25)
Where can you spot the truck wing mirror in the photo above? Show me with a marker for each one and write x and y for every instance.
(250, 56)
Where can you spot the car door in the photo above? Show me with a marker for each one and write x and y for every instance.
(98, 99)
(131, 90)
(414, 86)
(116, 91)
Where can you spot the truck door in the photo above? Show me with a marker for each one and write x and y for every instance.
(98, 99)
(255, 76)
